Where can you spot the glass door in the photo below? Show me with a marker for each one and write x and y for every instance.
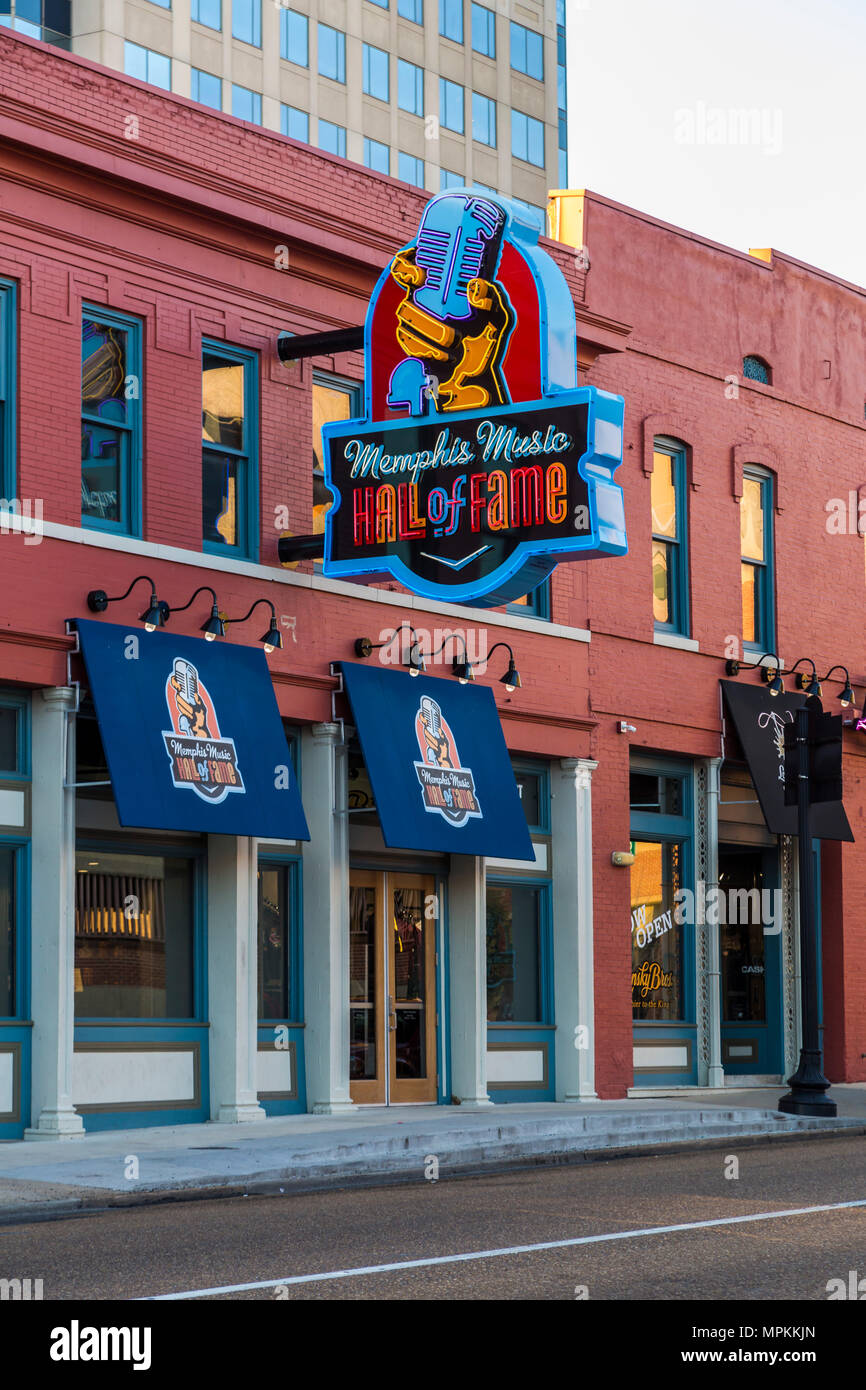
(750, 925)
(392, 988)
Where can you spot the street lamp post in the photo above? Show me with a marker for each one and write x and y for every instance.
(809, 1085)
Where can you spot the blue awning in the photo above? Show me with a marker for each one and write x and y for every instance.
(191, 733)
(437, 761)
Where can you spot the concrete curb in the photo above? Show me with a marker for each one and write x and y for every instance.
(471, 1161)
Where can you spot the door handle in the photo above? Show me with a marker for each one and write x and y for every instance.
(392, 1015)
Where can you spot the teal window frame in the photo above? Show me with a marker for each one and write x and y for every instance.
(451, 20)
(765, 576)
(332, 38)
(540, 770)
(757, 368)
(295, 37)
(293, 116)
(537, 603)
(484, 120)
(247, 17)
(21, 704)
(527, 51)
(195, 85)
(130, 470)
(293, 863)
(544, 886)
(447, 100)
(8, 388)
(197, 853)
(483, 25)
(678, 545)
(200, 7)
(669, 829)
(247, 496)
(376, 72)
(410, 87)
(20, 973)
(340, 138)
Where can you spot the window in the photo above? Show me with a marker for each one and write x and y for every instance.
(295, 37)
(147, 65)
(375, 69)
(207, 89)
(448, 179)
(669, 538)
(247, 21)
(527, 138)
(533, 605)
(208, 12)
(563, 150)
(332, 53)
(377, 156)
(533, 785)
(7, 388)
(536, 215)
(383, 4)
(137, 965)
(483, 30)
(410, 169)
(8, 914)
(657, 961)
(229, 432)
(516, 915)
(451, 19)
(756, 561)
(483, 119)
(411, 9)
(295, 123)
(246, 105)
(451, 106)
(410, 87)
(333, 399)
(277, 947)
(527, 51)
(110, 421)
(756, 369)
(332, 138)
(163, 4)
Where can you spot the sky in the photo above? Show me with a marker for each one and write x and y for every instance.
(743, 122)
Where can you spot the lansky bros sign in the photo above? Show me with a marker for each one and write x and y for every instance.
(479, 463)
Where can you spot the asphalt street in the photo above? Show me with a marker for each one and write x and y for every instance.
(602, 1220)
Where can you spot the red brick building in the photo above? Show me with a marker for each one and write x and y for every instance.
(177, 244)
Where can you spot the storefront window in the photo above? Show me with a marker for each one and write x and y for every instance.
(652, 795)
(134, 933)
(741, 937)
(274, 941)
(657, 978)
(362, 983)
(8, 739)
(513, 953)
(7, 932)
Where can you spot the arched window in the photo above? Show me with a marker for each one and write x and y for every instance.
(756, 369)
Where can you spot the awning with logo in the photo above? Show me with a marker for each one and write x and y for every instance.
(192, 734)
(760, 720)
(437, 761)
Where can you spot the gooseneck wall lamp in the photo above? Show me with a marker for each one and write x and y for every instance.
(272, 639)
(511, 680)
(158, 612)
(215, 625)
(364, 647)
(154, 616)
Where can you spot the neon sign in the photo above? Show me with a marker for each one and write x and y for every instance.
(479, 464)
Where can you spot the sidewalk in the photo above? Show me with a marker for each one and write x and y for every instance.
(302, 1152)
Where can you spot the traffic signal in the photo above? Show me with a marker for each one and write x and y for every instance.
(825, 756)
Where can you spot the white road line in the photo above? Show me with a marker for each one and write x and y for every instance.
(359, 1271)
